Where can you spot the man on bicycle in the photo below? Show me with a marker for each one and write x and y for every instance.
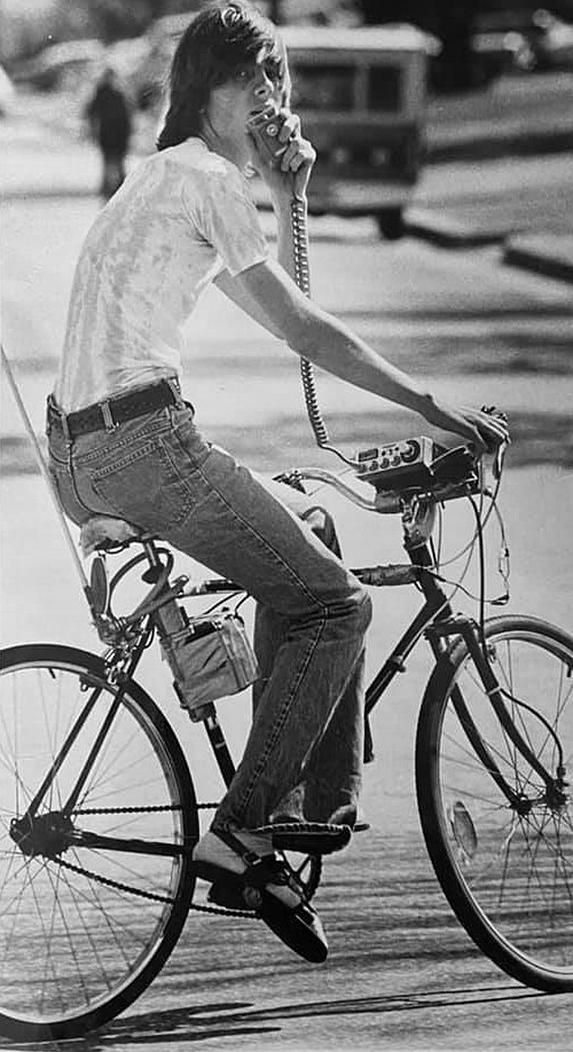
(123, 442)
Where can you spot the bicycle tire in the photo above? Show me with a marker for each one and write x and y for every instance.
(83, 930)
(506, 875)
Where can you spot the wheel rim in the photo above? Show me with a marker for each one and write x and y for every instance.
(514, 863)
(79, 926)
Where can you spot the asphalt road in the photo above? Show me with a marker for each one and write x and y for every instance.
(401, 973)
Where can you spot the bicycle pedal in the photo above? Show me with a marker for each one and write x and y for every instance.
(308, 838)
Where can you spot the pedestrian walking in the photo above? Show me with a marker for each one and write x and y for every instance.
(109, 115)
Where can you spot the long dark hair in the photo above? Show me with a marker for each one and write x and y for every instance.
(219, 40)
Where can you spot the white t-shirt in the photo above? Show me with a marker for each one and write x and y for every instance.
(182, 216)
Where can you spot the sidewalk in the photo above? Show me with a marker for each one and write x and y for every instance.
(516, 115)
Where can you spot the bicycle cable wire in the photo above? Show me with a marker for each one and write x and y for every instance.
(479, 539)
(470, 544)
(228, 598)
(481, 627)
(493, 508)
(469, 548)
(436, 550)
(534, 712)
(457, 585)
(483, 643)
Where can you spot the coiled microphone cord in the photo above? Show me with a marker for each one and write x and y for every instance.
(302, 278)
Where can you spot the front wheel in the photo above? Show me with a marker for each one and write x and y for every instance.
(96, 831)
(504, 859)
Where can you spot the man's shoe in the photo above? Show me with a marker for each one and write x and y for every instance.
(300, 929)
(265, 885)
(230, 894)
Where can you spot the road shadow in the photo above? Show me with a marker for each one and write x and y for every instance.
(233, 1019)
(171, 1026)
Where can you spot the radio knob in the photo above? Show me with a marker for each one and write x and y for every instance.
(396, 460)
(373, 465)
(384, 463)
(411, 452)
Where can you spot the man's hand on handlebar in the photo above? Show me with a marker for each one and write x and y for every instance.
(485, 428)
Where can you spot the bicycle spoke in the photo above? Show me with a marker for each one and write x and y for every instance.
(510, 860)
(82, 925)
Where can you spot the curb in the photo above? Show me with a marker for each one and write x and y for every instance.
(498, 145)
(442, 229)
(549, 255)
(39, 193)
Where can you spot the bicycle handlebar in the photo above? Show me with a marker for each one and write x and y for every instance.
(434, 475)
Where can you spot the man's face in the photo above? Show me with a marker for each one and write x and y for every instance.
(252, 88)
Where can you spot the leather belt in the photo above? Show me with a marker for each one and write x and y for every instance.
(108, 414)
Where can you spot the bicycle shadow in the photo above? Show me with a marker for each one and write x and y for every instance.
(233, 1019)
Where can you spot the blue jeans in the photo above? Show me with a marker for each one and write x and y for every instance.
(304, 752)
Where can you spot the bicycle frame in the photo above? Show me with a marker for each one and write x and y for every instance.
(435, 620)
(436, 608)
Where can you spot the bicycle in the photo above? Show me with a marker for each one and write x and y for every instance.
(99, 812)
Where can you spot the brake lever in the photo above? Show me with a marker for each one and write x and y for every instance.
(497, 464)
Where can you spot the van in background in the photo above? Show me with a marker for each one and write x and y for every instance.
(361, 94)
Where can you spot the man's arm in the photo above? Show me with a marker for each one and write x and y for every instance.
(240, 295)
(319, 336)
(269, 294)
(283, 184)
(324, 340)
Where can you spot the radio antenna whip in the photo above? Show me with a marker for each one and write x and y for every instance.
(44, 470)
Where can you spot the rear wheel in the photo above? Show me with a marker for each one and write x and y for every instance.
(93, 896)
(505, 865)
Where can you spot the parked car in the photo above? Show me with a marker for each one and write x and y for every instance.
(553, 42)
(526, 40)
(361, 94)
(499, 51)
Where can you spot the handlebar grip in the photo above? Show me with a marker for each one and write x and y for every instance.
(497, 465)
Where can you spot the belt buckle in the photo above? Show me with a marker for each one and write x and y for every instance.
(109, 422)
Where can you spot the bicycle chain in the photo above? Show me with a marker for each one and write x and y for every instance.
(136, 891)
(150, 895)
(139, 810)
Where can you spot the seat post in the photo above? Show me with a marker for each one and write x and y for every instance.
(151, 553)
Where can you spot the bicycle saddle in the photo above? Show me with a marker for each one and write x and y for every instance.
(103, 531)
